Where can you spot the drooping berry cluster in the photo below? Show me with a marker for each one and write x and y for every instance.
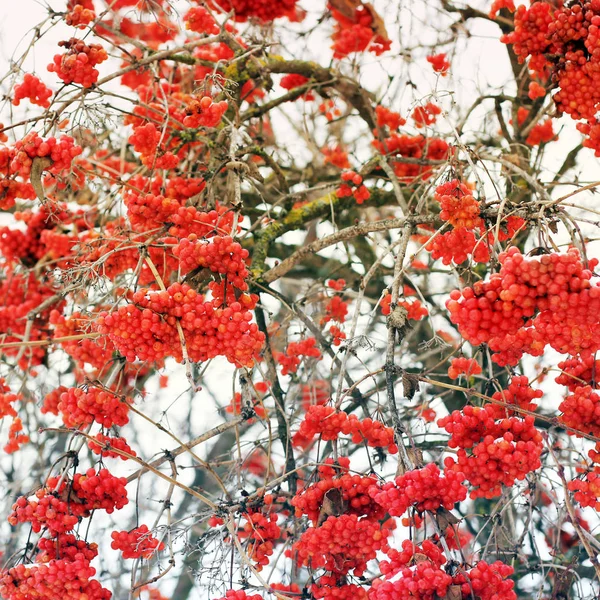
(295, 351)
(425, 489)
(531, 303)
(463, 366)
(137, 543)
(79, 407)
(77, 64)
(147, 328)
(329, 423)
(341, 544)
(493, 450)
(353, 186)
(34, 90)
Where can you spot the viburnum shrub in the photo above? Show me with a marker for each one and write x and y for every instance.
(300, 299)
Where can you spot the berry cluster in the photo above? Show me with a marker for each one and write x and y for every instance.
(261, 531)
(220, 255)
(463, 366)
(204, 112)
(341, 544)
(77, 64)
(60, 152)
(426, 115)
(79, 407)
(501, 311)
(425, 489)
(329, 423)
(439, 63)
(357, 33)
(137, 543)
(581, 410)
(199, 20)
(290, 360)
(261, 10)
(458, 206)
(353, 496)
(501, 449)
(415, 311)
(147, 328)
(353, 186)
(34, 90)
(103, 444)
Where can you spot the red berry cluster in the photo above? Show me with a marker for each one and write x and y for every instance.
(357, 33)
(47, 509)
(261, 531)
(103, 444)
(58, 579)
(292, 81)
(80, 13)
(95, 352)
(587, 490)
(500, 311)
(439, 63)
(336, 156)
(425, 489)
(457, 205)
(34, 90)
(204, 112)
(137, 543)
(240, 595)
(148, 141)
(581, 410)
(415, 311)
(426, 115)
(77, 64)
(329, 423)
(261, 10)
(519, 393)
(220, 255)
(341, 544)
(463, 366)
(354, 496)
(199, 20)
(502, 449)
(579, 371)
(290, 360)
(79, 407)
(147, 328)
(408, 146)
(99, 490)
(353, 186)
(60, 151)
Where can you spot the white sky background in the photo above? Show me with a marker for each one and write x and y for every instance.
(484, 66)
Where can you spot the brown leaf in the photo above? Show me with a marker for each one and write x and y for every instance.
(334, 505)
(454, 593)
(418, 558)
(378, 25)
(445, 518)
(346, 7)
(38, 166)
(410, 385)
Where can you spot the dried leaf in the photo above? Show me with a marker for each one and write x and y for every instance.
(334, 505)
(38, 166)
(553, 226)
(378, 25)
(410, 385)
(445, 518)
(454, 593)
(417, 558)
(346, 7)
